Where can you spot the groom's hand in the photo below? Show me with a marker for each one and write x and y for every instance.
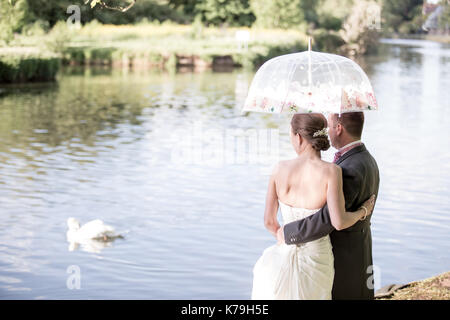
(280, 235)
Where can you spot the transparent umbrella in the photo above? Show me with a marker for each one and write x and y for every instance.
(310, 81)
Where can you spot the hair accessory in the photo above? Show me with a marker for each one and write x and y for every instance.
(321, 133)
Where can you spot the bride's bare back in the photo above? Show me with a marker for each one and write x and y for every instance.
(303, 182)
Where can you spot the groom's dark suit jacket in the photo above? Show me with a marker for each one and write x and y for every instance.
(352, 247)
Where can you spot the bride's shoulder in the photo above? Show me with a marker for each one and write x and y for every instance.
(282, 166)
(331, 168)
(284, 163)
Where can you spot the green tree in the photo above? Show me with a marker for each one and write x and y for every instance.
(444, 19)
(13, 16)
(309, 8)
(186, 6)
(54, 11)
(403, 16)
(332, 13)
(232, 12)
(277, 13)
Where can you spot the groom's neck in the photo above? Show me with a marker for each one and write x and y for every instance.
(346, 140)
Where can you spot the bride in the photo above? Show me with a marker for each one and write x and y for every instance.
(300, 187)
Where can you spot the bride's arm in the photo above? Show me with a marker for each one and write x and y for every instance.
(271, 210)
(340, 219)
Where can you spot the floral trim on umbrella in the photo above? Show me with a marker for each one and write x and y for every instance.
(306, 102)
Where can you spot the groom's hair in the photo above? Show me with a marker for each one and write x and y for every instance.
(353, 122)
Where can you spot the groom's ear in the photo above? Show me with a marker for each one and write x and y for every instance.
(339, 129)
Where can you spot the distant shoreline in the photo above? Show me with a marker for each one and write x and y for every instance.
(145, 46)
(442, 38)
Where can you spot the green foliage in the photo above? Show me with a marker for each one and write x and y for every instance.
(329, 22)
(335, 8)
(197, 27)
(327, 41)
(232, 12)
(271, 13)
(413, 26)
(16, 68)
(93, 3)
(275, 50)
(13, 16)
(155, 40)
(444, 19)
(54, 11)
(112, 5)
(404, 16)
(277, 13)
(171, 63)
(59, 38)
(358, 32)
(309, 8)
(148, 9)
(187, 7)
(285, 13)
(38, 28)
(331, 14)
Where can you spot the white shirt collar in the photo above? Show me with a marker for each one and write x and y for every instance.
(349, 145)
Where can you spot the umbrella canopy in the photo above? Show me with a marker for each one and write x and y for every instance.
(310, 82)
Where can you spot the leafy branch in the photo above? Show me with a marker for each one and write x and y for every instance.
(106, 6)
(101, 3)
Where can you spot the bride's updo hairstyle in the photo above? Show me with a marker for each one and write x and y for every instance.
(312, 127)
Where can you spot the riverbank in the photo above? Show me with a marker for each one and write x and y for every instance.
(167, 46)
(27, 64)
(152, 45)
(442, 38)
(434, 288)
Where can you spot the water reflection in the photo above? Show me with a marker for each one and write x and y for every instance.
(105, 144)
(90, 245)
(413, 151)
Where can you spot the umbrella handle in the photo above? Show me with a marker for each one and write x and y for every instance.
(309, 66)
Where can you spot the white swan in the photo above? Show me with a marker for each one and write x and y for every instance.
(94, 234)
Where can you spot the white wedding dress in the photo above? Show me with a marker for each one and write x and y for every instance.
(298, 272)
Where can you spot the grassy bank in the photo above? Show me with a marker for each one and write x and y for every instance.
(164, 45)
(434, 288)
(27, 64)
(36, 56)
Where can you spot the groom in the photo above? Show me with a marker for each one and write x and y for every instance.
(352, 247)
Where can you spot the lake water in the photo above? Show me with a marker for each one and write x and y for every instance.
(164, 159)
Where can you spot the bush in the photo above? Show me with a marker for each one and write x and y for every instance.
(329, 22)
(401, 15)
(327, 41)
(231, 12)
(277, 13)
(197, 28)
(444, 19)
(12, 18)
(59, 38)
(75, 55)
(38, 28)
(149, 9)
(171, 62)
(18, 68)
